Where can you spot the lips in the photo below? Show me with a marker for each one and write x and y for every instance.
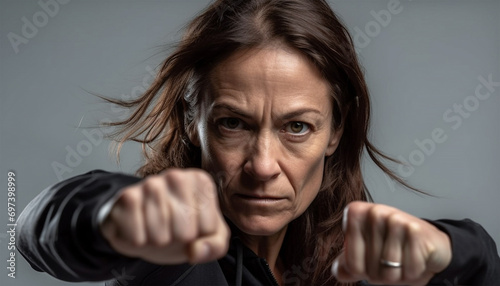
(259, 197)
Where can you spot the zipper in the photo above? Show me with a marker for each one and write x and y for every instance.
(268, 269)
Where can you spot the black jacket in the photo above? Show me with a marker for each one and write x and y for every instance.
(59, 234)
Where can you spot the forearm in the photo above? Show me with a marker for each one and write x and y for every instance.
(475, 258)
(59, 232)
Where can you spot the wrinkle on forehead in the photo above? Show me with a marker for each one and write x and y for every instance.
(263, 61)
(278, 73)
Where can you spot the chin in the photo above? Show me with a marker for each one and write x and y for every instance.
(259, 225)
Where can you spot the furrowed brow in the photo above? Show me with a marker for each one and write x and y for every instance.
(300, 112)
(232, 109)
(243, 114)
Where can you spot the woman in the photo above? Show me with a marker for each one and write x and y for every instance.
(253, 133)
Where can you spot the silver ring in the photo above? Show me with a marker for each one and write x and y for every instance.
(390, 263)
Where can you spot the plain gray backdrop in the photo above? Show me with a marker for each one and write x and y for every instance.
(423, 63)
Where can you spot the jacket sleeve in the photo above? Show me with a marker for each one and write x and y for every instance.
(475, 259)
(58, 231)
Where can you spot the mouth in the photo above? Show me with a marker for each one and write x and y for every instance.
(259, 199)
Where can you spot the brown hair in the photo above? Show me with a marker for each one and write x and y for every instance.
(162, 116)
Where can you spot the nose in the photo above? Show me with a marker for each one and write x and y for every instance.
(262, 163)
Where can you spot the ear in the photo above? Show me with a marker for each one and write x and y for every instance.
(192, 134)
(334, 141)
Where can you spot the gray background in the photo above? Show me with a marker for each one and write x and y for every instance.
(425, 60)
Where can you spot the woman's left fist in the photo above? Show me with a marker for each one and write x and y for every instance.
(384, 245)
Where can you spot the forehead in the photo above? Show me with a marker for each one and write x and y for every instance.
(274, 73)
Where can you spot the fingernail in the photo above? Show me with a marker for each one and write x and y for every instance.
(344, 219)
(204, 251)
(335, 267)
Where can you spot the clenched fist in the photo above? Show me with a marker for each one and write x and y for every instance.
(169, 218)
(384, 245)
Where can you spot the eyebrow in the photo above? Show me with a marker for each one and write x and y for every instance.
(243, 114)
(231, 109)
(299, 112)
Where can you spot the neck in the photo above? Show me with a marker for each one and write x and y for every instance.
(267, 247)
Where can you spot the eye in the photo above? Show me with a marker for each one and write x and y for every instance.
(297, 128)
(230, 123)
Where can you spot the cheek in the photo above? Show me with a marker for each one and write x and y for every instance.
(312, 175)
(222, 164)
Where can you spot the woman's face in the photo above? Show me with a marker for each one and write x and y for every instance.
(265, 130)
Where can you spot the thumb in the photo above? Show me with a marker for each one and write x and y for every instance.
(339, 270)
(208, 248)
(199, 252)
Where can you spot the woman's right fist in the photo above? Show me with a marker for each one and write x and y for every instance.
(169, 218)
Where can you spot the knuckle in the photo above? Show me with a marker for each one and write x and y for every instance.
(130, 199)
(175, 174)
(179, 182)
(355, 206)
(205, 178)
(152, 184)
(376, 214)
(206, 183)
(354, 214)
(413, 229)
(396, 220)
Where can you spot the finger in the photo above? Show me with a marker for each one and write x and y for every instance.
(210, 247)
(393, 249)
(209, 216)
(157, 221)
(339, 270)
(127, 218)
(183, 205)
(354, 243)
(414, 260)
(375, 232)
